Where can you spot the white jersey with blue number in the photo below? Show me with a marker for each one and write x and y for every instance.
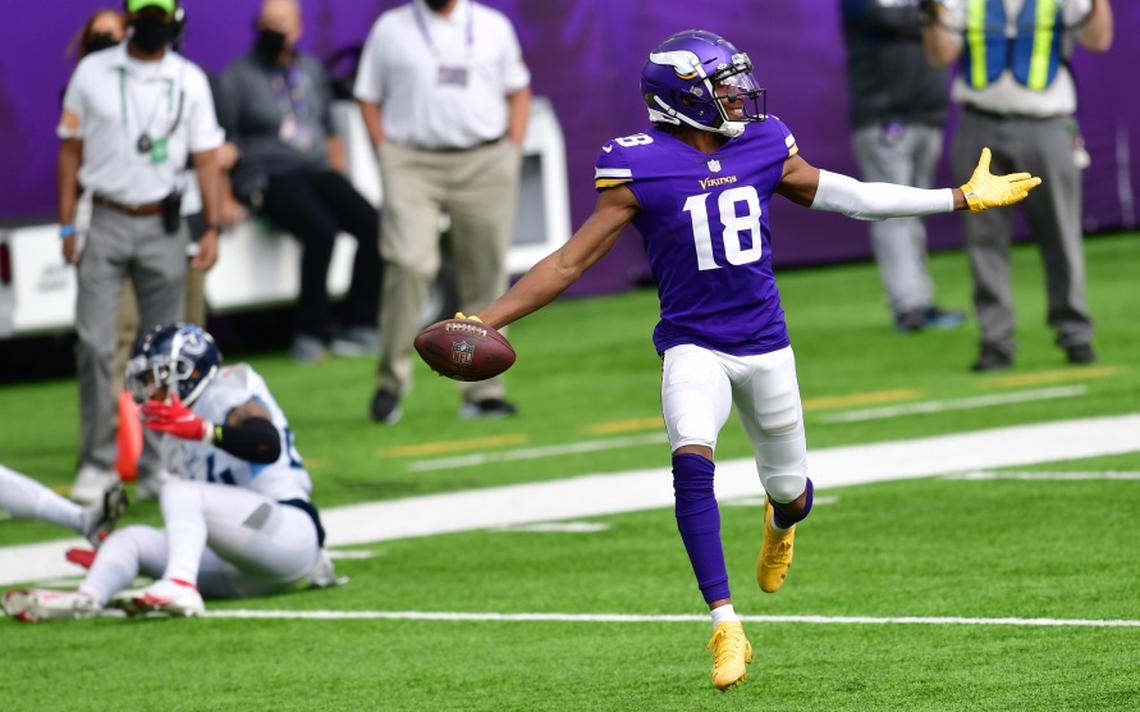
(281, 480)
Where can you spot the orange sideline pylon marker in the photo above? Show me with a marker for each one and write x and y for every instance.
(130, 438)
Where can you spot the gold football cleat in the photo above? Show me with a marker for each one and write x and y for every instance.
(731, 654)
(775, 556)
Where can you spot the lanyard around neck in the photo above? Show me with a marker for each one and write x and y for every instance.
(421, 23)
(123, 98)
(169, 104)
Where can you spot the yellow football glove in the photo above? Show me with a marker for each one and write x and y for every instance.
(461, 315)
(984, 190)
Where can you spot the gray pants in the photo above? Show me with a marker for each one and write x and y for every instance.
(1043, 147)
(118, 246)
(479, 189)
(906, 155)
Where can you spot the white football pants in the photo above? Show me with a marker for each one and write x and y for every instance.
(232, 542)
(698, 389)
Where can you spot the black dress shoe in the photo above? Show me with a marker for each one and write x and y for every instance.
(1080, 353)
(992, 359)
(385, 407)
(488, 408)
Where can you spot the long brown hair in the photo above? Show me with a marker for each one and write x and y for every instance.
(77, 48)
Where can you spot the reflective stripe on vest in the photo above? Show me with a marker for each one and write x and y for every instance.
(1032, 53)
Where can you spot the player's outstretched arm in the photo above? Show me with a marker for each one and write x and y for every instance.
(615, 209)
(834, 192)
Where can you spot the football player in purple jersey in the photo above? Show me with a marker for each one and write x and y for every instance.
(697, 187)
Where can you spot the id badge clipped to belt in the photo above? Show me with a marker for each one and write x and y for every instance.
(452, 76)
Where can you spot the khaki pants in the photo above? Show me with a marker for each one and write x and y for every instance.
(479, 190)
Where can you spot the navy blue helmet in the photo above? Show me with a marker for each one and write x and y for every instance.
(172, 358)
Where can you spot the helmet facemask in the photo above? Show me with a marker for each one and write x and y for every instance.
(176, 359)
(698, 79)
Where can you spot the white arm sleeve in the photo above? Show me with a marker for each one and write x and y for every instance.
(838, 193)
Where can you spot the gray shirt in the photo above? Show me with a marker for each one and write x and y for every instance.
(279, 117)
(888, 75)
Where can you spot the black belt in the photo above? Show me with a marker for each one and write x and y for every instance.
(136, 211)
(458, 149)
(308, 508)
(1002, 117)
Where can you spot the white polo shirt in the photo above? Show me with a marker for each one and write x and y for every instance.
(442, 81)
(113, 99)
(1005, 95)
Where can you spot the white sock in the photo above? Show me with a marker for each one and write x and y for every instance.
(116, 566)
(724, 614)
(28, 499)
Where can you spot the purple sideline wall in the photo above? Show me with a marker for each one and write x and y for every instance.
(585, 56)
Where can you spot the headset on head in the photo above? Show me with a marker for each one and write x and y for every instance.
(178, 20)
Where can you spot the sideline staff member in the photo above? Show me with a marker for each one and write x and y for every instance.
(1018, 97)
(445, 95)
(131, 115)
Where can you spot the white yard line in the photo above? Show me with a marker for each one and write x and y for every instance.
(892, 411)
(603, 494)
(661, 618)
(535, 453)
(1013, 475)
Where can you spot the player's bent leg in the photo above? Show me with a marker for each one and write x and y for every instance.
(128, 552)
(778, 546)
(274, 542)
(767, 396)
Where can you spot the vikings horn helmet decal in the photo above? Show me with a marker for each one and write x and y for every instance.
(679, 83)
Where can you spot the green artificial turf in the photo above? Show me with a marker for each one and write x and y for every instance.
(935, 547)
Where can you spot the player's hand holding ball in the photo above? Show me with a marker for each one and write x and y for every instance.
(464, 349)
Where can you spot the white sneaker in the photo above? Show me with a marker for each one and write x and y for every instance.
(90, 484)
(163, 596)
(32, 604)
(100, 518)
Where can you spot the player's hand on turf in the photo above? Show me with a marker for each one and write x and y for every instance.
(461, 315)
(176, 419)
(984, 190)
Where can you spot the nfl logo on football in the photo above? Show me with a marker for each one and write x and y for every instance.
(462, 353)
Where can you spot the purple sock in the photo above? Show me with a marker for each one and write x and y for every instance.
(698, 520)
(784, 521)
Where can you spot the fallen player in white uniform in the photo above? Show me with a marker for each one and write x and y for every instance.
(239, 524)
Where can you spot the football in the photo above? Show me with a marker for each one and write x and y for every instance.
(464, 350)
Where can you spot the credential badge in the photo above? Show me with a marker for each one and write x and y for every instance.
(714, 166)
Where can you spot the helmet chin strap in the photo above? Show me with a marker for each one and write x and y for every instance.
(669, 115)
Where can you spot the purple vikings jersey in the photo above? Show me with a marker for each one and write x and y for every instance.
(704, 219)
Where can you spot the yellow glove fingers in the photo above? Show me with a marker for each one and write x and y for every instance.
(461, 315)
(1015, 177)
(984, 160)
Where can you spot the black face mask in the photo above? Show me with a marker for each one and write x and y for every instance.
(98, 42)
(436, 5)
(270, 44)
(151, 34)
